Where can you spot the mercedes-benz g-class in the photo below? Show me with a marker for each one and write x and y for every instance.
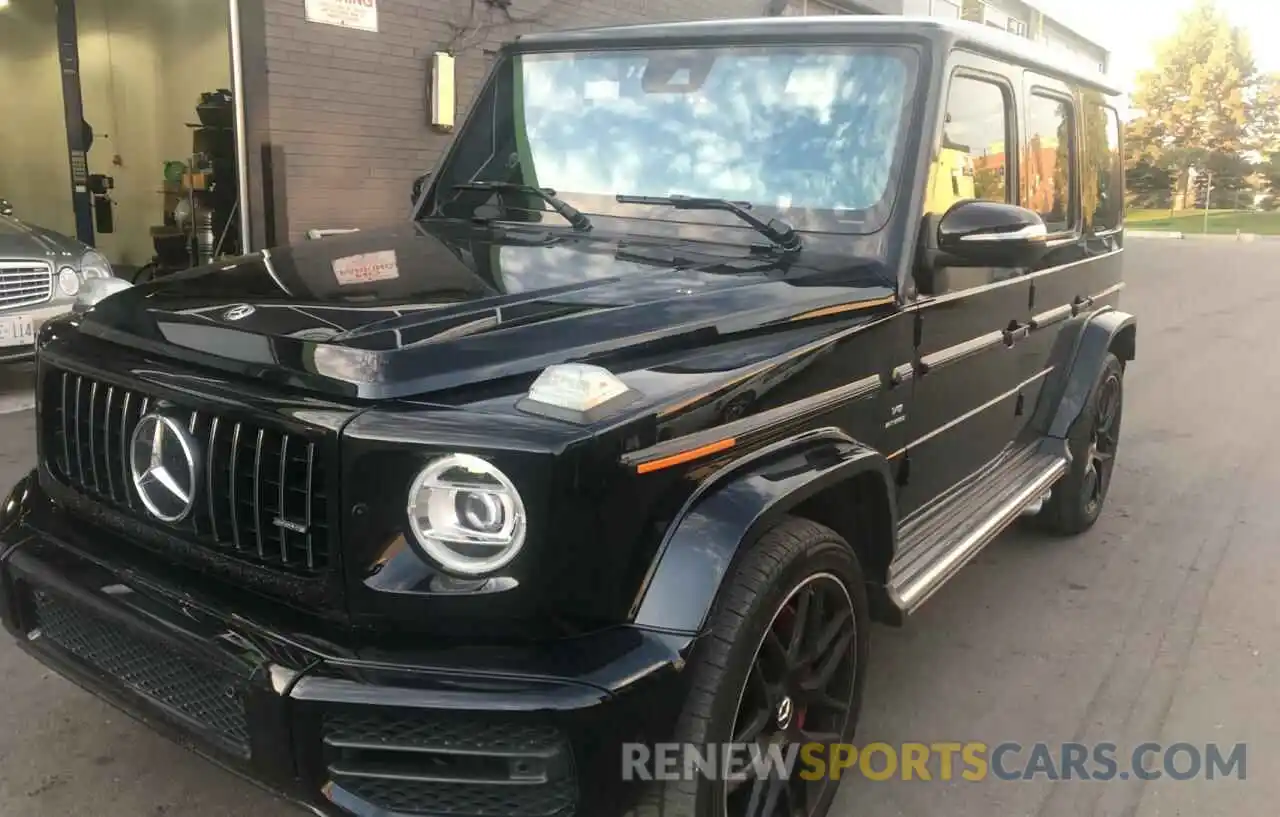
(708, 345)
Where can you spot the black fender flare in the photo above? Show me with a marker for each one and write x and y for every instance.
(733, 507)
(1103, 332)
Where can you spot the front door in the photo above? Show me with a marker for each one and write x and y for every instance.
(965, 409)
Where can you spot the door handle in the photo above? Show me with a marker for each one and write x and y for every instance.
(1016, 332)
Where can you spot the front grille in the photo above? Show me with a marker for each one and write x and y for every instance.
(23, 283)
(262, 497)
(208, 696)
(448, 763)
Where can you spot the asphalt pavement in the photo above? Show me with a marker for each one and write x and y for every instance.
(1160, 624)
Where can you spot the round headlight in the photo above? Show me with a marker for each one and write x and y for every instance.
(95, 265)
(466, 515)
(68, 281)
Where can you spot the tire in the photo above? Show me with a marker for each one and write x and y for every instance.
(1094, 439)
(769, 580)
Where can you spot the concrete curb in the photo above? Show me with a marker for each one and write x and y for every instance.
(1162, 234)
(1153, 234)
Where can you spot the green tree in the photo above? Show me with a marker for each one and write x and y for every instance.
(1098, 155)
(1198, 103)
(1264, 128)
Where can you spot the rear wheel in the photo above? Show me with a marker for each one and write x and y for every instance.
(783, 664)
(1078, 497)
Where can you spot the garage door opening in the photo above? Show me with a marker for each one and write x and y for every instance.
(155, 82)
(121, 128)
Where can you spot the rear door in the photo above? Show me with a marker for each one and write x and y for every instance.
(1072, 175)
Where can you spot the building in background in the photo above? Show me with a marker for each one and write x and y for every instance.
(1027, 18)
(333, 111)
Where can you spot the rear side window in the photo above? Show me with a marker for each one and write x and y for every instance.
(972, 163)
(1050, 166)
(1103, 182)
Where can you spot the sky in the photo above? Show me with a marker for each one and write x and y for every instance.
(1132, 28)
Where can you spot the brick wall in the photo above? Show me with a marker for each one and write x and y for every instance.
(346, 115)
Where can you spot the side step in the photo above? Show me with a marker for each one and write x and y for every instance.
(933, 546)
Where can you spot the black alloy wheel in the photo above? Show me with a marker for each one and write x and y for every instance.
(1102, 444)
(782, 662)
(1077, 499)
(800, 689)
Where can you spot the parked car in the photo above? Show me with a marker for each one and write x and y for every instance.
(675, 384)
(41, 273)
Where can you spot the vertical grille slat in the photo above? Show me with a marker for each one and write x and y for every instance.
(233, 477)
(311, 454)
(281, 509)
(76, 430)
(124, 449)
(93, 448)
(257, 494)
(106, 440)
(66, 427)
(210, 470)
(271, 491)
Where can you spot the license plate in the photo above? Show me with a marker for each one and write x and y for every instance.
(17, 331)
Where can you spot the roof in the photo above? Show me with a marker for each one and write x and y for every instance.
(944, 32)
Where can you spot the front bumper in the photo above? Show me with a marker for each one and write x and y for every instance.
(40, 315)
(464, 731)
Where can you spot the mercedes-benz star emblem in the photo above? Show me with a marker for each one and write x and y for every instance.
(785, 711)
(164, 466)
(238, 312)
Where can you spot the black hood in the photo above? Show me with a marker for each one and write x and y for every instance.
(417, 309)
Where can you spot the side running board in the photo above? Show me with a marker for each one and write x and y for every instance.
(942, 539)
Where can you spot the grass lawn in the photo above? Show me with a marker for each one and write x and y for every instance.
(1193, 221)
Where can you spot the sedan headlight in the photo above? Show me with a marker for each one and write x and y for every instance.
(68, 281)
(95, 265)
(466, 515)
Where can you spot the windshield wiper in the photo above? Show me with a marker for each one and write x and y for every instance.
(571, 214)
(782, 234)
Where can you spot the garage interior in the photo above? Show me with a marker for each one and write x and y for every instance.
(154, 80)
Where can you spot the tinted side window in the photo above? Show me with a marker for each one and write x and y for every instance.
(972, 162)
(1050, 165)
(1103, 180)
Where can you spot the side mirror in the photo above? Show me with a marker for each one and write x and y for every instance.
(991, 234)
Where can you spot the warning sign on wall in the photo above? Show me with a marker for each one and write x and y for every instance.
(359, 14)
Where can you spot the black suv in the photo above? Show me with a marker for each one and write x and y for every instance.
(709, 344)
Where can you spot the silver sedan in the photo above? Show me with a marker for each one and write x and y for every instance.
(40, 274)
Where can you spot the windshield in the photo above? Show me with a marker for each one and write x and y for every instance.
(808, 135)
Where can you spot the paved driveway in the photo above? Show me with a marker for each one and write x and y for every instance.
(1161, 624)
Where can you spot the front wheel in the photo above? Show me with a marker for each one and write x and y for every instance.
(1094, 439)
(783, 664)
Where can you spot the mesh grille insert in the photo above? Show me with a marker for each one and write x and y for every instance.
(207, 695)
